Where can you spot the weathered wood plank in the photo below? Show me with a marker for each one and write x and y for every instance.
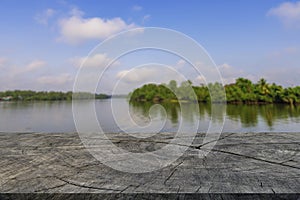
(239, 163)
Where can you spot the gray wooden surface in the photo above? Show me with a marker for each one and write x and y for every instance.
(239, 163)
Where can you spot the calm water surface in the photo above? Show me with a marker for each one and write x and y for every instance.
(58, 117)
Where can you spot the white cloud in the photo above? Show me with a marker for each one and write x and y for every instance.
(122, 73)
(180, 63)
(76, 12)
(288, 13)
(28, 76)
(159, 74)
(146, 18)
(208, 72)
(77, 29)
(2, 61)
(43, 18)
(230, 74)
(137, 8)
(136, 75)
(129, 79)
(55, 80)
(284, 76)
(30, 67)
(228, 71)
(283, 52)
(35, 64)
(199, 80)
(97, 60)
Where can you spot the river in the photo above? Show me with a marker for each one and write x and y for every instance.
(57, 116)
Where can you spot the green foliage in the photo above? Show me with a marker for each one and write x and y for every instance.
(29, 95)
(217, 93)
(242, 91)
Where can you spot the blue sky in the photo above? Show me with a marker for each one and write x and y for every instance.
(43, 42)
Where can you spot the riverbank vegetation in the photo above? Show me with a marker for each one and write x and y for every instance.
(29, 95)
(247, 115)
(242, 91)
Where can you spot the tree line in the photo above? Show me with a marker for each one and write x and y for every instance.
(29, 95)
(242, 91)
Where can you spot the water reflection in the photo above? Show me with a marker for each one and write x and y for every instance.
(57, 116)
(43, 116)
(246, 115)
(270, 113)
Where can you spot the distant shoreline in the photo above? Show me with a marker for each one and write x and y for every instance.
(29, 95)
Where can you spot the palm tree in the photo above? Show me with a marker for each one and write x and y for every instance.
(276, 93)
(263, 86)
(288, 96)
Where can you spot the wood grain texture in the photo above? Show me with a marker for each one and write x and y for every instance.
(239, 163)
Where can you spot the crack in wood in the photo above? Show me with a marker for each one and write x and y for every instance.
(47, 189)
(86, 186)
(172, 172)
(198, 189)
(216, 140)
(254, 158)
(273, 191)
